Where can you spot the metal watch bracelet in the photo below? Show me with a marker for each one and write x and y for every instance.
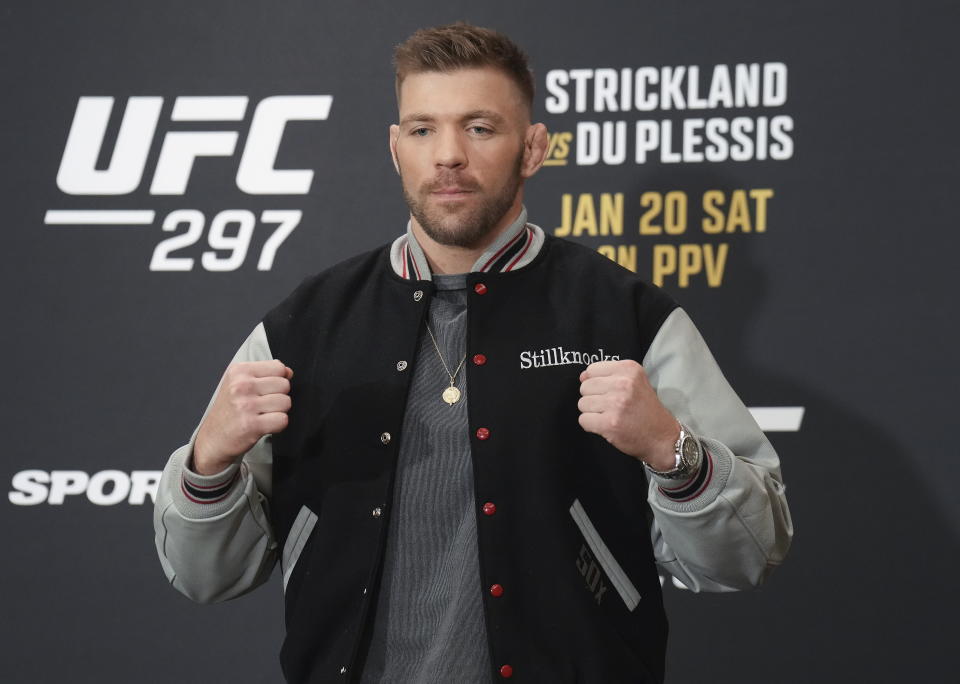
(683, 467)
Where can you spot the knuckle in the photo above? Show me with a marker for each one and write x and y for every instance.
(239, 370)
(241, 386)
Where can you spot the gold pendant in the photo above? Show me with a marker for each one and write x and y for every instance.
(451, 395)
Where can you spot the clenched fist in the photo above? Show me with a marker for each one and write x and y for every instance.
(618, 403)
(252, 401)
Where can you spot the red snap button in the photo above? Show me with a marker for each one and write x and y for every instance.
(479, 359)
(483, 434)
(496, 591)
(489, 508)
(506, 671)
(480, 288)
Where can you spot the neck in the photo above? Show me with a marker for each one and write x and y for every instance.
(446, 259)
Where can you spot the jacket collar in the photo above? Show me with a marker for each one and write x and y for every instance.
(514, 248)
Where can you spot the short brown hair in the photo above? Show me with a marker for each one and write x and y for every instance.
(460, 46)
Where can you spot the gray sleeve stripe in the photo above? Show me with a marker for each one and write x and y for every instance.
(296, 540)
(628, 592)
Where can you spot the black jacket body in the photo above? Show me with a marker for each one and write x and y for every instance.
(561, 617)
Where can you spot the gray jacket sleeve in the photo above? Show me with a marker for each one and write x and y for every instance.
(730, 528)
(212, 532)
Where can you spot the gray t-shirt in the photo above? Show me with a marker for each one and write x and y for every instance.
(429, 624)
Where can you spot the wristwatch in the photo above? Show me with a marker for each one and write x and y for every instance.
(688, 454)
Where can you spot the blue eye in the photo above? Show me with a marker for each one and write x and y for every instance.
(481, 130)
(419, 132)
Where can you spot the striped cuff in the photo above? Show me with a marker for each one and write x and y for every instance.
(691, 488)
(700, 489)
(208, 489)
(205, 496)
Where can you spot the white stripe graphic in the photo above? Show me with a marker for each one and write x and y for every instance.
(628, 592)
(296, 540)
(106, 217)
(778, 418)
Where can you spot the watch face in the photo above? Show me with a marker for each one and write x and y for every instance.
(691, 452)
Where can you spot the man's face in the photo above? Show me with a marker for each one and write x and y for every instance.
(462, 148)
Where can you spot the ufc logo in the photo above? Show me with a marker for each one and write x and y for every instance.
(256, 174)
(592, 575)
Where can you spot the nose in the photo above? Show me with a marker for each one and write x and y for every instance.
(450, 152)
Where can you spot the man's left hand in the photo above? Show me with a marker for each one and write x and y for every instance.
(618, 403)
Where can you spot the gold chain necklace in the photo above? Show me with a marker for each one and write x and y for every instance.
(451, 394)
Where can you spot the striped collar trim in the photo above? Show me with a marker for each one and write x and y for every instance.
(514, 248)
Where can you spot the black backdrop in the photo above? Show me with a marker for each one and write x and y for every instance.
(841, 304)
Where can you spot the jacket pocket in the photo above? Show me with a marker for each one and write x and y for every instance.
(296, 541)
(618, 577)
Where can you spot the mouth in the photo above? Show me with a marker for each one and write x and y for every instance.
(451, 193)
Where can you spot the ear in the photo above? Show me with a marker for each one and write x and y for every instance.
(535, 144)
(394, 136)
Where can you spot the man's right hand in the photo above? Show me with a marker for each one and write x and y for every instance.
(252, 401)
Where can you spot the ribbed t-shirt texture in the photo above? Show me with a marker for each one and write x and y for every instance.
(429, 624)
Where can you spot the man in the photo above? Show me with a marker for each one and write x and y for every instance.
(470, 466)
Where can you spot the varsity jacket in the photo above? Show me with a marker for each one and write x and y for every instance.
(570, 528)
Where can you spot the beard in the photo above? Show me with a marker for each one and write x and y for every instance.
(459, 226)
